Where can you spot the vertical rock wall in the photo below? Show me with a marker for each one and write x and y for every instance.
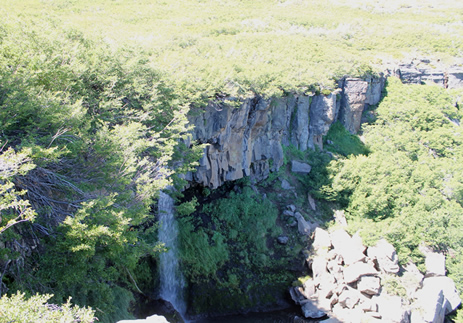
(249, 140)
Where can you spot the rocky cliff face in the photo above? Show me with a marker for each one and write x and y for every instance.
(353, 283)
(420, 71)
(249, 140)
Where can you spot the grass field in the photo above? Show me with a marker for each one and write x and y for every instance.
(235, 47)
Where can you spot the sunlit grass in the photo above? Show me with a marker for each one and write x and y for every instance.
(263, 46)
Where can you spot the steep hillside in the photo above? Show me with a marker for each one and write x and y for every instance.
(105, 103)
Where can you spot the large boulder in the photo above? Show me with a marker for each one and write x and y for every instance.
(303, 226)
(349, 298)
(369, 285)
(311, 310)
(435, 264)
(346, 247)
(318, 266)
(434, 285)
(311, 201)
(429, 306)
(353, 272)
(354, 95)
(298, 167)
(385, 255)
(322, 240)
(346, 315)
(391, 309)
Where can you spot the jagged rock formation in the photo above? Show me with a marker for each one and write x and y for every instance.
(248, 140)
(425, 71)
(352, 283)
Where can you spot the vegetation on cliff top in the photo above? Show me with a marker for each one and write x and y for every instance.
(233, 47)
(93, 95)
(95, 132)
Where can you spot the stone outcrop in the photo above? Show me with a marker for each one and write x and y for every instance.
(248, 140)
(425, 71)
(352, 283)
(298, 167)
(352, 104)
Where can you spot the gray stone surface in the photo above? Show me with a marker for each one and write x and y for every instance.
(425, 71)
(353, 272)
(435, 264)
(369, 285)
(447, 286)
(349, 298)
(291, 207)
(312, 203)
(455, 77)
(248, 140)
(324, 111)
(321, 239)
(390, 308)
(285, 185)
(353, 293)
(310, 310)
(429, 306)
(298, 167)
(354, 97)
(384, 253)
(303, 226)
(346, 247)
(288, 213)
(283, 240)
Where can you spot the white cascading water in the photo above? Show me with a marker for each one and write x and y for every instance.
(172, 282)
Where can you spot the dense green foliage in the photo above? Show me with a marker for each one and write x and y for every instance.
(340, 141)
(237, 47)
(91, 127)
(101, 128)
(230, 255)
(13, 208)
(36, 310)
(409, 188)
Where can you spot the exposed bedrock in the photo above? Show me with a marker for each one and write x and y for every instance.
(431, 72)
(249, 140)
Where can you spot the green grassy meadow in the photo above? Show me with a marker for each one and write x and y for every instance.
(239, 47)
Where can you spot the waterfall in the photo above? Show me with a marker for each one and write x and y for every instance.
(172, 281)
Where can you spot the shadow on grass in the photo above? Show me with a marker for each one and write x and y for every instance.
(340, 141)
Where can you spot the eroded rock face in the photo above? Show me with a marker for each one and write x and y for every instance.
(385, 255)
(424, 71)
(323, 112)
(249, 140)
(354, 97)
(351, 283)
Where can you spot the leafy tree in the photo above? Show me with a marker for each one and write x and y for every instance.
(408, 188)
(13, 209)
(106, 132)
(35, 309)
